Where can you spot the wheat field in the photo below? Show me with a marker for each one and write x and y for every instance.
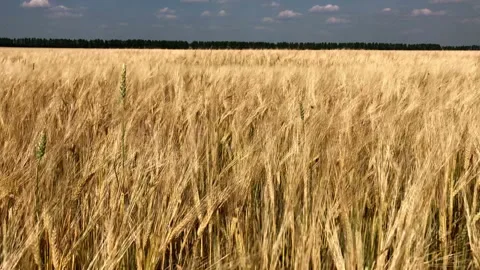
(239, 159)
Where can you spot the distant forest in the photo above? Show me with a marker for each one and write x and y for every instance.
(217, 45)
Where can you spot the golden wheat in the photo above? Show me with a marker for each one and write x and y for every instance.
(240, 159)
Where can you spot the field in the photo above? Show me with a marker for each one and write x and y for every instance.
(239, 159)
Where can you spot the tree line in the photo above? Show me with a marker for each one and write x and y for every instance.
(239, 45)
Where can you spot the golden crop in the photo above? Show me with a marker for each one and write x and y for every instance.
(239, 159)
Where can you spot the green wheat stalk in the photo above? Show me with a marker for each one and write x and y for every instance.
(40, 149)
(302, 111)
(123, 95)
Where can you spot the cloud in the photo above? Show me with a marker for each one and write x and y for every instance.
(268, 20)
(386, 10)
(62, 11)
(446, 1)
(471, 20)
(413, 31)
(335, 20)
(262, 28)
(272, 4)
(194, 1)
(36, 4)
(206, 13)
(327, 8)
(427, 12)
(166, 14)
(222, 13)
(214, 27)
(166, 10)
(288, 14)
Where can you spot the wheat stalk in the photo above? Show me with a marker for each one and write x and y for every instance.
(55, 251)
(40, 149)
(123, 95)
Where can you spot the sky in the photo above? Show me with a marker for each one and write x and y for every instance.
(446, 22)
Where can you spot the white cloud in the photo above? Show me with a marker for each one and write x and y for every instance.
(166, 10)
(166, 14)
(327, 8)
(471, 20)
(335, 20)
(262, 28)
(427, 12)
(288, 14)
(446, 1)
(413, 31)
(60, 8)
(268, 20)
(62, 11)
(170, 16)
(222, 13)
(214, 27)
(274, 4)
(387, 10)
(36, 4)
(206, 13)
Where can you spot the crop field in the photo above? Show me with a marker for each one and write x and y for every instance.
(157, 159)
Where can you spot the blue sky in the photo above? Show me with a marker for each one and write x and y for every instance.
(448, 22)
